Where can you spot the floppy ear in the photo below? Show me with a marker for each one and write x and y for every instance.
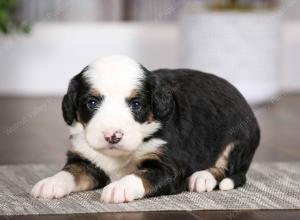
(161, 97)
(69, 105)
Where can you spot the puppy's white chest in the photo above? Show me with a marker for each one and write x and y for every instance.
(122, 171)
(114, 167)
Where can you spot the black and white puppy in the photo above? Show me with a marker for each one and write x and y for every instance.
(138, 133)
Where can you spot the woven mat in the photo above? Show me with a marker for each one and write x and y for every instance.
(269, 186)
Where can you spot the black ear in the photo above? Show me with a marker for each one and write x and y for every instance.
(161, 97)
(70, 100)
(69, 104)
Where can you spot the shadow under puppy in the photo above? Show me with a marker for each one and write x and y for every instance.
(138, 133)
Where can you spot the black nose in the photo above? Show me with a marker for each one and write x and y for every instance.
(115, 138)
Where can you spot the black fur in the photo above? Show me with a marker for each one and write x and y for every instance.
(205, 117)
(200, 115)
(161, 100)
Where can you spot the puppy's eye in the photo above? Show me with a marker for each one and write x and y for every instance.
(92, 104)
(135, 105)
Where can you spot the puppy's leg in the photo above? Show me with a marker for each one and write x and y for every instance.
(229, 171)
(207, 180)
(55, 186)
(153, 178)
(126, 189)
(77, 175)
(233, 181)
(202, 181)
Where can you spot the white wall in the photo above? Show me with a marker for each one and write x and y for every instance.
(43, 62)
(290, 66)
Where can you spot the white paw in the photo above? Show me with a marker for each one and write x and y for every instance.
(202, 181)
(55, 186)
(124, 190)
(226, 184)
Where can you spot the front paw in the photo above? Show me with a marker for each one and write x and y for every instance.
(126, 189)
(202, 181)
(55, 186)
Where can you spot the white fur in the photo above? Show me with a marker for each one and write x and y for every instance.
(126, 189)
(148, 147)
(202, 181)
(149, 128)
(76, 128)
(56, 186)
(115, 77)
(226, 184)
(115, 167)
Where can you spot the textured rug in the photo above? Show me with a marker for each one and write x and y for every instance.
(269, 186)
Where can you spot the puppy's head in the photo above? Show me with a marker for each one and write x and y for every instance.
(119, 103)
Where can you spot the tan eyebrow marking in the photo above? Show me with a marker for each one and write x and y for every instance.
(134, 93)
(95, 92)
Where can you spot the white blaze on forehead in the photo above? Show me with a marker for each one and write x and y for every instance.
(115, 75)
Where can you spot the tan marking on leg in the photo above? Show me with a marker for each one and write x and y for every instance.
(222, 161)
(218, 173)
(146, 183)
(155, 155)
(82, 179)
(221, 164)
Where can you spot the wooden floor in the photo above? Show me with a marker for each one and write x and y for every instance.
(32, 131)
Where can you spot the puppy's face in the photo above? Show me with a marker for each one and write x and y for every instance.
(113, 99)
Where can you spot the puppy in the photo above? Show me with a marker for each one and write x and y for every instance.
(138, 133)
